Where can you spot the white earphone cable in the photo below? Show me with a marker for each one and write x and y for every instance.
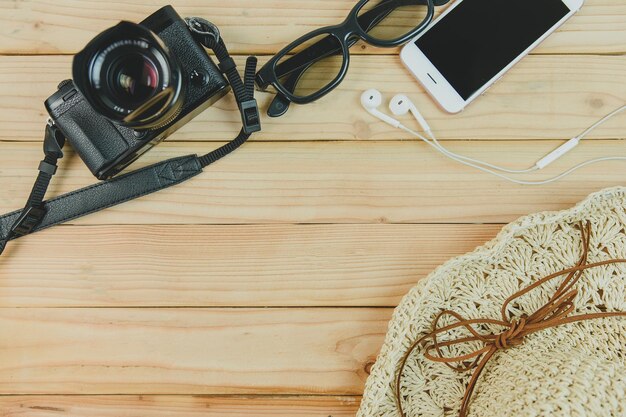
(477, 161)
(461, 161)
(601, 121)
(474, 163)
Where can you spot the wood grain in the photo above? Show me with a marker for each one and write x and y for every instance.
(262, 287)
(255, 265)
(334, 182)
(188, 351)
(261, 27)
(176, 406)
(544, 97)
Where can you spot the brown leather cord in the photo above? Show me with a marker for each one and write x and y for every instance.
(555, 312)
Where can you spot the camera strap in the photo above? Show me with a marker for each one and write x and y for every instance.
(39, 214)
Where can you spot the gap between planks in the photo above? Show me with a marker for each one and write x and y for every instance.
(65, 26)
(334, 182)
(243, 266)
(189, 351)
(543, 97)
(179, 406)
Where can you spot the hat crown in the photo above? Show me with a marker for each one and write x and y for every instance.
(574, 369)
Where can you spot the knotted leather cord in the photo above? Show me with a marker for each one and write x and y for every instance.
(555, 312)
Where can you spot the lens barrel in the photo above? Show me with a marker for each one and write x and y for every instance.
(128, 75)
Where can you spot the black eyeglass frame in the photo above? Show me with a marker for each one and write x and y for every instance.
(347, 34)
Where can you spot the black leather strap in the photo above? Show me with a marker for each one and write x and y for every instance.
(109, 193)
(39, 214)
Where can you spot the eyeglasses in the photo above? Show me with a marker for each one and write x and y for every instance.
(316, 63)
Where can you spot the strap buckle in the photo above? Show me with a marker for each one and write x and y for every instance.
(53, 141)
(30, 218)
(250, 116)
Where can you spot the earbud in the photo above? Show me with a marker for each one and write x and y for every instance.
(371, 101)
(401, 105)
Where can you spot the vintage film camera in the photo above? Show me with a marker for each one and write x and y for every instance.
(133, 86)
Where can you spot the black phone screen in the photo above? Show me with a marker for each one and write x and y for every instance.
(479, 38)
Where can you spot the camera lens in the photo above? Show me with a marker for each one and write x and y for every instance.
(127, 74)
(133, 79)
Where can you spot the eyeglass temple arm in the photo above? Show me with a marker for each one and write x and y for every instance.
(367, 20)
(326, 47)
(280, 104)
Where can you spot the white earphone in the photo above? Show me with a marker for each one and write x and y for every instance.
(401, 105)
(371, 101)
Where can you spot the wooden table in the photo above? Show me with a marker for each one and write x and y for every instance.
(264, 286)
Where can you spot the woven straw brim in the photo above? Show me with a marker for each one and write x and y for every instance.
(572, 370)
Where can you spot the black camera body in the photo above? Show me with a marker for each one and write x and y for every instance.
(133, 86)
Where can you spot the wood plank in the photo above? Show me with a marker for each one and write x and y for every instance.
(334, 182)
(188, 351)
(177, 406)
(544, 97)
(262, 27)
(252, 265)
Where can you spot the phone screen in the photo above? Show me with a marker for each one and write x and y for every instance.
(479, 38)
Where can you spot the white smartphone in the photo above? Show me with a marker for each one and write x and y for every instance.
(474, 42)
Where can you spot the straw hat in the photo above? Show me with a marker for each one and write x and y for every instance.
(574, 369)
